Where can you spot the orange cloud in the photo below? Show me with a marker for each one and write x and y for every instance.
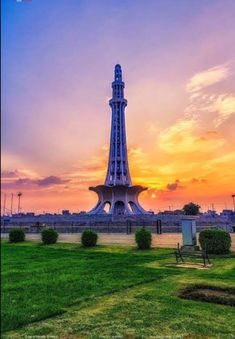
(182, 137)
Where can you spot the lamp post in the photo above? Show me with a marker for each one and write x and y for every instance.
(11, 203)
(19, 196)
(4, 204)
(233, 197)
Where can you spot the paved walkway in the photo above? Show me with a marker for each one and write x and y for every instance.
(159, 240)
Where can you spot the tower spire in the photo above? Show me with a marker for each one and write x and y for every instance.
(117, 73)
(118, 170)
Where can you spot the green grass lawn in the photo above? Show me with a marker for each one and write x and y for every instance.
(66, 291)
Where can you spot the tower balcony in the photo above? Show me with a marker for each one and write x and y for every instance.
(117, 100)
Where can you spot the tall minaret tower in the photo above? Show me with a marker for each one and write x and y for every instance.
(117, 191)
(118, 170)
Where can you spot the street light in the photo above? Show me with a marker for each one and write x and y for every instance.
(12, 203)
(19, 196)
(233, 197)
(4, 204)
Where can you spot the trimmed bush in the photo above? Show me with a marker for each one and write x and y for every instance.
(143, 238)
(16, 235)
(49, 236)
(89, 238)
(215, 241)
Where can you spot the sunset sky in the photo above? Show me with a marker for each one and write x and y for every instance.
(178, 62)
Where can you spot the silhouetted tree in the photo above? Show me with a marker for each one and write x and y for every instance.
(191, 209)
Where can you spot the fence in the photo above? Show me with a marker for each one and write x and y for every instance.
(128, 227)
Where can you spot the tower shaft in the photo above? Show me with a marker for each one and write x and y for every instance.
(118, 169)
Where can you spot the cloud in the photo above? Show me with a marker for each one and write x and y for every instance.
(174, 186)
(198, 181)
(95, 167)
(51, 180)
(221, 105)
(228, 158)
(9, 174)
(207, 78)
(23, 182)
(28, 183)
(225, 106)
(177, 137)
(183, 137)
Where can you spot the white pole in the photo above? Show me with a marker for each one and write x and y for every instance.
(11, 203)
(4, 204)
(233, 197)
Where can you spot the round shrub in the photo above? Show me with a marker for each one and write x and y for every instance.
(16, 235)
(215, 241)
(49, 236)
(89, 238)
(143, 238)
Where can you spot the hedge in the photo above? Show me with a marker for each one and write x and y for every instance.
(49, 236)
(89, 238)
(143, 238)
(215, 241)
(16, 235)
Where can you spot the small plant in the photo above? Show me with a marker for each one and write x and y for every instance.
(143, 238)
(191, 209)
(89, 238)
(215, 241)
(49, 236)
(16, 235)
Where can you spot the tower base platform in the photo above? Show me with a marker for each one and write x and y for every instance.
(118, 200)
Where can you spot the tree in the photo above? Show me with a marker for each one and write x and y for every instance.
(191, 209)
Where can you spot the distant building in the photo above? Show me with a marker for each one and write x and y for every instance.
(227, 213)
(210, 213)
(65, 212)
